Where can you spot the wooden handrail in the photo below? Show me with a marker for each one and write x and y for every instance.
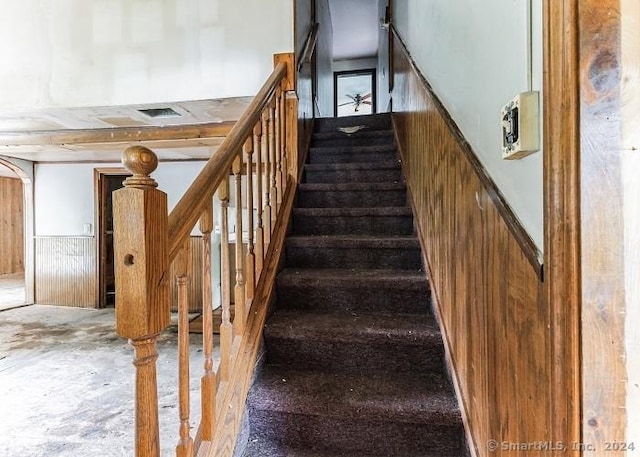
(188, 210)
(309, 45)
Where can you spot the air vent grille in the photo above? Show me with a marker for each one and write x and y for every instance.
(160, 112)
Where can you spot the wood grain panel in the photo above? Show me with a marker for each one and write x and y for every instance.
(562, 212)
(11, 226)
(486, 282)
(66, 271)
(602, 219)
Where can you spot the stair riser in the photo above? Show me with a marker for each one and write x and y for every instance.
(330, 257)
(324, 156)
(351, 199)
(353, 141)
(373, 438)
(367, 298)
(354, 357)
(379, 122)
(327, 177)
(346, 225)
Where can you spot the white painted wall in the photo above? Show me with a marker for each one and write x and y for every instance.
(112, 52)
(383, 61)
(65, 194)
(474, 55)
(325, 59)
(355, 64)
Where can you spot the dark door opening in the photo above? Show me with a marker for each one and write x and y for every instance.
(108, 181)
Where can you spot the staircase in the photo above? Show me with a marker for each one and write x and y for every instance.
(354, 358)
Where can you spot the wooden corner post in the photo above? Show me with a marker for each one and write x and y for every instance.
(142, 289)
(290, 114)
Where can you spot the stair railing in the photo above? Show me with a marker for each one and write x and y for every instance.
(262, 148)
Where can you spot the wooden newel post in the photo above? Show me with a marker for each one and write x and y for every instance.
(142, 288)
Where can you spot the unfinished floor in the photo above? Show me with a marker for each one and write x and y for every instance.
(67, 382)
(11, 291)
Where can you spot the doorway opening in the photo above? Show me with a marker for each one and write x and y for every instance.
(355, 92)
(12, 239)
(107, 181)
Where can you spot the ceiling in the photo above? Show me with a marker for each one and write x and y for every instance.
(54, 135)
(355, 28)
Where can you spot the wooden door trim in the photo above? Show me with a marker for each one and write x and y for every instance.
(562, 247)
(26, 176)
(98, 174)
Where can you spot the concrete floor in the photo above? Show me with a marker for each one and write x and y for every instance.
(66, 384)
(11, 291)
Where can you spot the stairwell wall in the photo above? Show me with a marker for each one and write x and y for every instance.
(474, 54)
(487, 283)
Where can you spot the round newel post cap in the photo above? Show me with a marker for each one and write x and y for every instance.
(141, 162)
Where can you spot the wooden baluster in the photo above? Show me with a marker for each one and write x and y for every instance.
(257, 142)
(273, 194)
(279, 137)
(284, 152)
(226, 330)
(267, 135)
(208, 381)
(250, 262)
(239, 290)
(185, 443)
(142, 290)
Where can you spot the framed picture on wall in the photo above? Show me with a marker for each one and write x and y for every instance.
(355, 92)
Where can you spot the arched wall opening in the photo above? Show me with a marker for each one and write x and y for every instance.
(16, 216)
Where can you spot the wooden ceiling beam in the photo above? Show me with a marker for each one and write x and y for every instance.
(116, 135)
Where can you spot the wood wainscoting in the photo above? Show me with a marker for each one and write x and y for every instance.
(11, 226)
(66, 271)
(484, 270)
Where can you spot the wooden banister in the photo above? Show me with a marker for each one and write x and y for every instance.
(187, 211)
(147, 239)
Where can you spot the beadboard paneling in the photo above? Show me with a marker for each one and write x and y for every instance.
(486, 279)
(11, 226)
(66, 271)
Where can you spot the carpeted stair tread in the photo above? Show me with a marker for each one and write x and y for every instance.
(258, 446)
(351, 186)
(354, 241)
(379, 121)
(387, 171)
(389, 221)
(405, 329)
(390, 164)
(397, 397)
(357, 342)
(390, 279)
(389, 211)
(368, 136)
(352, 195)
(354, 290)
(353, 149)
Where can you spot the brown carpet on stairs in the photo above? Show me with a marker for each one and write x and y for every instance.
(354, 361)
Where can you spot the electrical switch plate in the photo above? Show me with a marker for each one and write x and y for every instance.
(521, 126)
